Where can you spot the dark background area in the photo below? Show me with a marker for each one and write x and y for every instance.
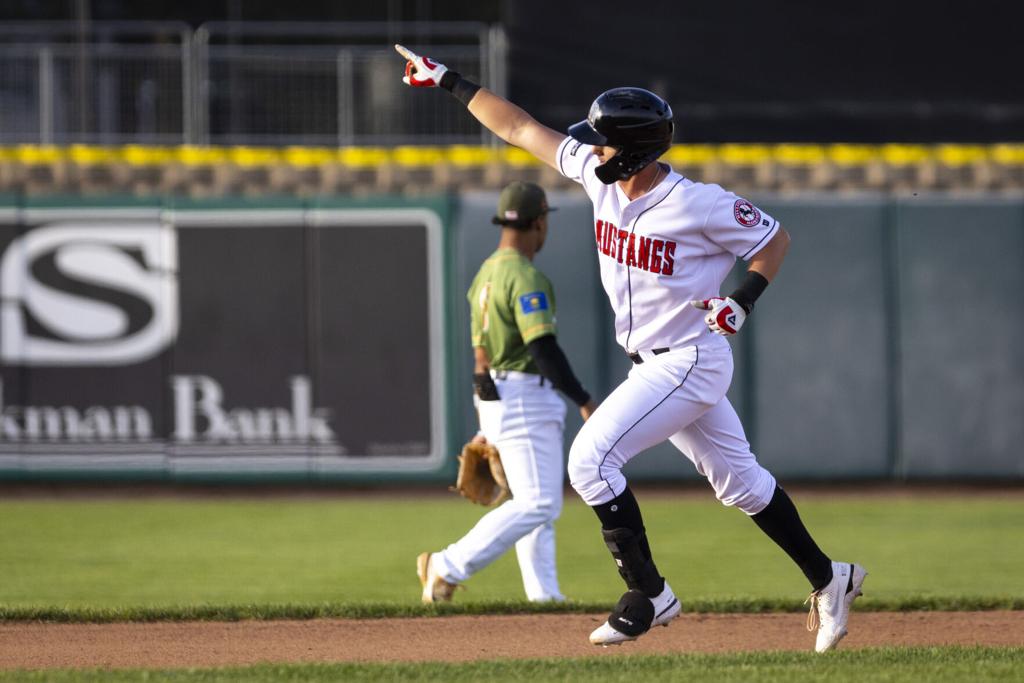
(734, 71)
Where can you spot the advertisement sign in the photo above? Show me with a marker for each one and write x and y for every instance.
(221, 342)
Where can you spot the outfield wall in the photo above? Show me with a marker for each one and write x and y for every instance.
(328, 341)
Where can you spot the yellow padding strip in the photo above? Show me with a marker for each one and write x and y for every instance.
(254, 156)
(142, 155)
(905, 155)
(42, 154)
(362, 157)
(851, 155)
(470, 156)
(1009, 155)
(691, 155)
(744, 155)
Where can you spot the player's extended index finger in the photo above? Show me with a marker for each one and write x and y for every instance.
(406, 52)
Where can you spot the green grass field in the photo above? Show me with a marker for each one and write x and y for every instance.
(354, 556)
(361, 550)
(910, 665)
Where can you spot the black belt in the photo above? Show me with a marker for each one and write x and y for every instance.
(637, 360)
(502, 374)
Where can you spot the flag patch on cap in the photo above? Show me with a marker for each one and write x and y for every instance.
(533, 302)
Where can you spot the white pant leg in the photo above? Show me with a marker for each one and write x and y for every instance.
(526, 426)
(717, 446)
(659, 397)
(536, 554)
(541, 488)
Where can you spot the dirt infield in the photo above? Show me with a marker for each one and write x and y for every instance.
(207, 644)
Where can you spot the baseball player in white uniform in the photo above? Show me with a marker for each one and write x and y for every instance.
(664, 244)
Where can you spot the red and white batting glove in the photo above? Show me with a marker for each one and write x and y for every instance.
(725, 316)
(421, 72)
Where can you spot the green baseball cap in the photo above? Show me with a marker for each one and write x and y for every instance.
(520, 203)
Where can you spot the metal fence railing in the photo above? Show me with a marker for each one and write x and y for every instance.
(60, 94)
(239, 83)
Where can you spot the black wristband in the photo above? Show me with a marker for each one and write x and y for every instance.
(746, 294)
(463, 90)
(484, 387)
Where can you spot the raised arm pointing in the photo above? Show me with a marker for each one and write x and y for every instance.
(496, 114)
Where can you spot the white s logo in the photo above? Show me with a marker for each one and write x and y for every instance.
(89, 294)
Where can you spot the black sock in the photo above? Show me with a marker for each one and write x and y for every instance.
(623, 512)
(782, 523)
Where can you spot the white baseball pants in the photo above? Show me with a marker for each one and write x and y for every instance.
(680, 396)
(526, 426)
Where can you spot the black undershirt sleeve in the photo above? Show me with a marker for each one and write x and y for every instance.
(553, 364)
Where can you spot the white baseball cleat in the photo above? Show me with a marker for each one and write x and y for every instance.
(830, 606)
(666, 608)
(435, 588)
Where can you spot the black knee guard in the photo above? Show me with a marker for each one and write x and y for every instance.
(635, 567)
(633, 615)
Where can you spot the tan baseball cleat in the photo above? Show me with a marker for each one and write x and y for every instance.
(435, 588)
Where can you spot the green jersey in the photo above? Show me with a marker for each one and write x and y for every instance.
(511, 303)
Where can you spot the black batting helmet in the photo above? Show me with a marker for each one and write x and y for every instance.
(635, 121)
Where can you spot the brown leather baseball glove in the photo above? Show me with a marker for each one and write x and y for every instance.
(481, 477)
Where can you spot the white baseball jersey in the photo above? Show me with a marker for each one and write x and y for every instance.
(674, 244)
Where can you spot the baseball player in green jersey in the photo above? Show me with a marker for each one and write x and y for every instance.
(518, 364)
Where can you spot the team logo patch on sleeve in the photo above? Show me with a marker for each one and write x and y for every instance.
(746, 213)
(533, 302)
